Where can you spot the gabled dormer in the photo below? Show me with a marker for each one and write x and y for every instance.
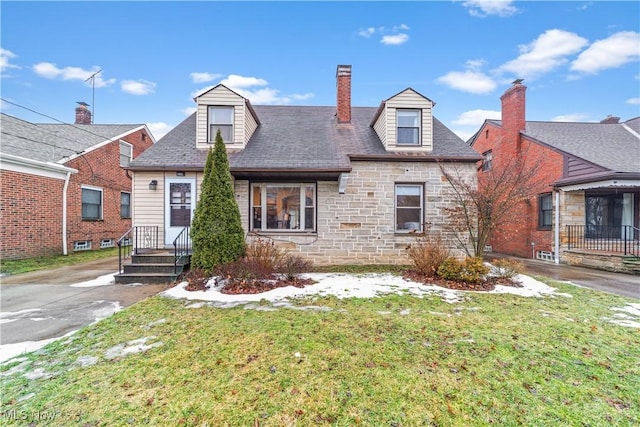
(221, 108)
(404, 122)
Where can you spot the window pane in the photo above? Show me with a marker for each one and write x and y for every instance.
(407, 196)
(407, 135)
(409, 207)
(90, 196)
(408, 118)
(125, 205)
(221, 115)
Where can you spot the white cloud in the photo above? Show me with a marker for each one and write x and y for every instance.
(395, 39)
(633, 101)
(544, 54)
(253, 88)
(573, 117)
(138, 87)
(476, 117)
(204, 77)
(612, 52)
(236, 81)
(159, 129)
(471, 81)
(189, 110)
(49, 70)
(483, 8)
(366, 32)
(5, 57)
(464, 134)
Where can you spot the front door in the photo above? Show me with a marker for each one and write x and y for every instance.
(179, 204)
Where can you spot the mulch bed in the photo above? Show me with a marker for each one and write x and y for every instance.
(487, 285)
(236, 287)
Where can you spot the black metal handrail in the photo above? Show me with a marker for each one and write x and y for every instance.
(135, 240)
(181, 248)
(623, 239)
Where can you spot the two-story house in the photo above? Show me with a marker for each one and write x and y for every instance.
(337, 184)
(585, 209)
(63, 187)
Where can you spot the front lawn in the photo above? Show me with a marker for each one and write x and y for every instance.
(393, 360)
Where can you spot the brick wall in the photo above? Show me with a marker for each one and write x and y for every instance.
(520, 235)
(30, 214)
(358, 227)
(101, 169)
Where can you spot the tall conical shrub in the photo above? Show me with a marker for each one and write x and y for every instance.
(216, 232)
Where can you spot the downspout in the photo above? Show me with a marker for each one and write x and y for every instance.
(556, 230)
(64, 213)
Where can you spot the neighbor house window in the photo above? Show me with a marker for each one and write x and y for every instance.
(289, 206)
(106, 243)
(221, 118)
(545, 208)
(487, 161)
(409, 212)
(408, 127)
(126, 153)
(91, 203)
(125, 205)
(82, 245)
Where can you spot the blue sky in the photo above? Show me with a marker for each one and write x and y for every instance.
(579, 59)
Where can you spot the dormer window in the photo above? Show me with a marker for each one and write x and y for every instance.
(221, 118)
(408, 127)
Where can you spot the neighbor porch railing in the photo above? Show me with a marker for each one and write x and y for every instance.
(624, 239)
(181, 249)
(136, 240)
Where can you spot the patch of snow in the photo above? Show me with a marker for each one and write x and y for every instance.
(131, 347)
(349, 286)
(20, 367)
(84, 361)
(628, 316)
(26, 397)
(104, 312)
(7, 321)
(405, 312)
(156, 323)
(8, 352)
(105, 280)
(36, 374)
(17, 314)
(384, 313)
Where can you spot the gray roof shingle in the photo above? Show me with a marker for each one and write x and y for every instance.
(609, 145)
(294, 138)
(48, 142)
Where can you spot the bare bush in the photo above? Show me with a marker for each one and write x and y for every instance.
(428, 253)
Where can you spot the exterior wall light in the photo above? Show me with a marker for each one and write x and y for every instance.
(153, 184)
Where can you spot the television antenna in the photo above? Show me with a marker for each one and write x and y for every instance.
(92, 77)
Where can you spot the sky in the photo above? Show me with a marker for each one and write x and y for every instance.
(143, 61)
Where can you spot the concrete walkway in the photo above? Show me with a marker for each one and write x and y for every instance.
(42, 305)
(627, 285)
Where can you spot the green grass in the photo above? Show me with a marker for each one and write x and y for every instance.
(41, 263)
(396, 360)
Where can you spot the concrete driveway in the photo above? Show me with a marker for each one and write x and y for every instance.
(42, 305)
(626, 285)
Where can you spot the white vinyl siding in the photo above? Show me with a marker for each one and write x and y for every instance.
(386, 124)
(243, 123)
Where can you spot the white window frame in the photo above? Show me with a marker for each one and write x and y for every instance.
(418, 118)
(212, 127)
(100, 215)
(487, 161)
(82, 245)
(396, 208)
(127, 154)
(298, 221)
(121, 194)
(106, 243)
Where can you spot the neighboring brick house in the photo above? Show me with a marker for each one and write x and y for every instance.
(336, 184)
(63, 188)
(588, 183)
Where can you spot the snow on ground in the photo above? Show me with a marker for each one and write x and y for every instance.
(352, 286)
(105, 280)
(629, 316)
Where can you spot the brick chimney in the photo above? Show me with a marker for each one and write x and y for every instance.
(83, 114)
(513, 112)
(610, 120)
(343, 83)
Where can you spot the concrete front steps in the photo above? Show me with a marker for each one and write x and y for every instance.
(156, 267)
(632, 263)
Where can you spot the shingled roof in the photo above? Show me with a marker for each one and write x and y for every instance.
(298, 139)
(55, 143)
(613, 146)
